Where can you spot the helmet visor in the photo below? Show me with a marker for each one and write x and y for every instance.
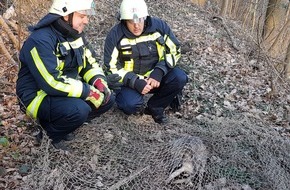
(87, 12)
(137, 20)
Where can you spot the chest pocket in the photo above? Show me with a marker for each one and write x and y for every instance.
(146, 50)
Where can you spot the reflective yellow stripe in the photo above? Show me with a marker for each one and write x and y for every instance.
(60, 65)
(122, 73)
(33, 107)
(80, 69)
(113, 62)
(91, 73)
(160, 50)
(129, 65)
(96, 69)
(91, 59)
(73, 86)
(145, 75)
(171, 58)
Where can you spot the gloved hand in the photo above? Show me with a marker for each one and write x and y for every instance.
(113, 81)
(102, 86)
(96, 97)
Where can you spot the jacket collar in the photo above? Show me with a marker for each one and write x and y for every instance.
(45, 21)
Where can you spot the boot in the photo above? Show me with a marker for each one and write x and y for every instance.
(176, 102)
(157, 115)
(60, 144)
(68, 137)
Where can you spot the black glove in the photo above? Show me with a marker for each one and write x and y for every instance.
(139, 85)
(113, 81)
(157, 74)
(176, 102)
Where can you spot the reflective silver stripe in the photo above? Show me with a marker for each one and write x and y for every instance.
(174, 55)
(66, 45)
(77, 43)
(76, 86)
(151, 37)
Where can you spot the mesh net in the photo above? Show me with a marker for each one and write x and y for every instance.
(121, 152)
(133, 152)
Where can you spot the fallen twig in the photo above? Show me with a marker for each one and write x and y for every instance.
(6, 92)
(5, 52)
(233, 43)
(6, 83)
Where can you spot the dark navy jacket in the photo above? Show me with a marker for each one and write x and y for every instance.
(45, 71)
(131, 56)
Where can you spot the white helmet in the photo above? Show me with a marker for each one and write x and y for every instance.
(65, 7)
(133, 9)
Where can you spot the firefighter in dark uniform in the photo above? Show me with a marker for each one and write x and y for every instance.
(60, 82)
(144, 52)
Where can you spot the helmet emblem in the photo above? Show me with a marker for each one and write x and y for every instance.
(134, 10)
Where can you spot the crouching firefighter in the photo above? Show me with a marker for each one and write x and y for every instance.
(60, 82)
(144, 51)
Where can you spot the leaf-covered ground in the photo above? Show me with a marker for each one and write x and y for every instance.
(228, 74)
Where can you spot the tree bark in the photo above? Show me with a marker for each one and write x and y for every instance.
(224, 8)
(9, 33)
(276, 31)
(287, 62)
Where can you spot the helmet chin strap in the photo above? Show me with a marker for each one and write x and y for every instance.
(70, 19)
(65, 28)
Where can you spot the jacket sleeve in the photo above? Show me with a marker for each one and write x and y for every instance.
(43, 64)
(172, 51)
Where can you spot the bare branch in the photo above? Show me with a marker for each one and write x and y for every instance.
(9, 33)
(127, 179)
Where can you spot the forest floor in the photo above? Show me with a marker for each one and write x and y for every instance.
(229, 76)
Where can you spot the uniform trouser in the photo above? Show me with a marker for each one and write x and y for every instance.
(131, 101)
(60, 116)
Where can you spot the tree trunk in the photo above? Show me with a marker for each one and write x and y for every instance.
(247, 15)
(224, 8)
(287, 63)
(276, 31)
(236, 9)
